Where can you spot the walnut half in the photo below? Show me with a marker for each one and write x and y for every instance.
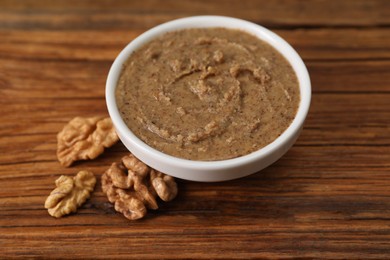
(85, 138)
(70, 193)
(133, 187)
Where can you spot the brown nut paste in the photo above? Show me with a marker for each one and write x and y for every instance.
(207, 94)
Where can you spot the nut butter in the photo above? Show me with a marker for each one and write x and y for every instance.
(207, 93)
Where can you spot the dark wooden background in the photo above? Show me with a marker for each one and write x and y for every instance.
(328, 197)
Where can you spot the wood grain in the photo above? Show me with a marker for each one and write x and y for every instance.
(328, 197)
(147, 13)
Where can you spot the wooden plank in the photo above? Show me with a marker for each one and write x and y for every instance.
(257, 244)
(333, 163)
(330, 44)
(148, 13)
(311, 44)
(349, 76)
(86, 79)
(352, 109)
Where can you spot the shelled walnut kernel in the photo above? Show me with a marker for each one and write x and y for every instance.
(70, 193)
(85, 138)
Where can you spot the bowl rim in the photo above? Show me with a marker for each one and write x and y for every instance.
(203, 22)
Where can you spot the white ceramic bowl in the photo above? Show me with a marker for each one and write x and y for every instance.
(209, 171)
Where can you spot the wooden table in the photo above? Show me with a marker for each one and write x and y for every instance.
(328, 197)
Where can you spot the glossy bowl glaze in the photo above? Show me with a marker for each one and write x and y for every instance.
(209, 171)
